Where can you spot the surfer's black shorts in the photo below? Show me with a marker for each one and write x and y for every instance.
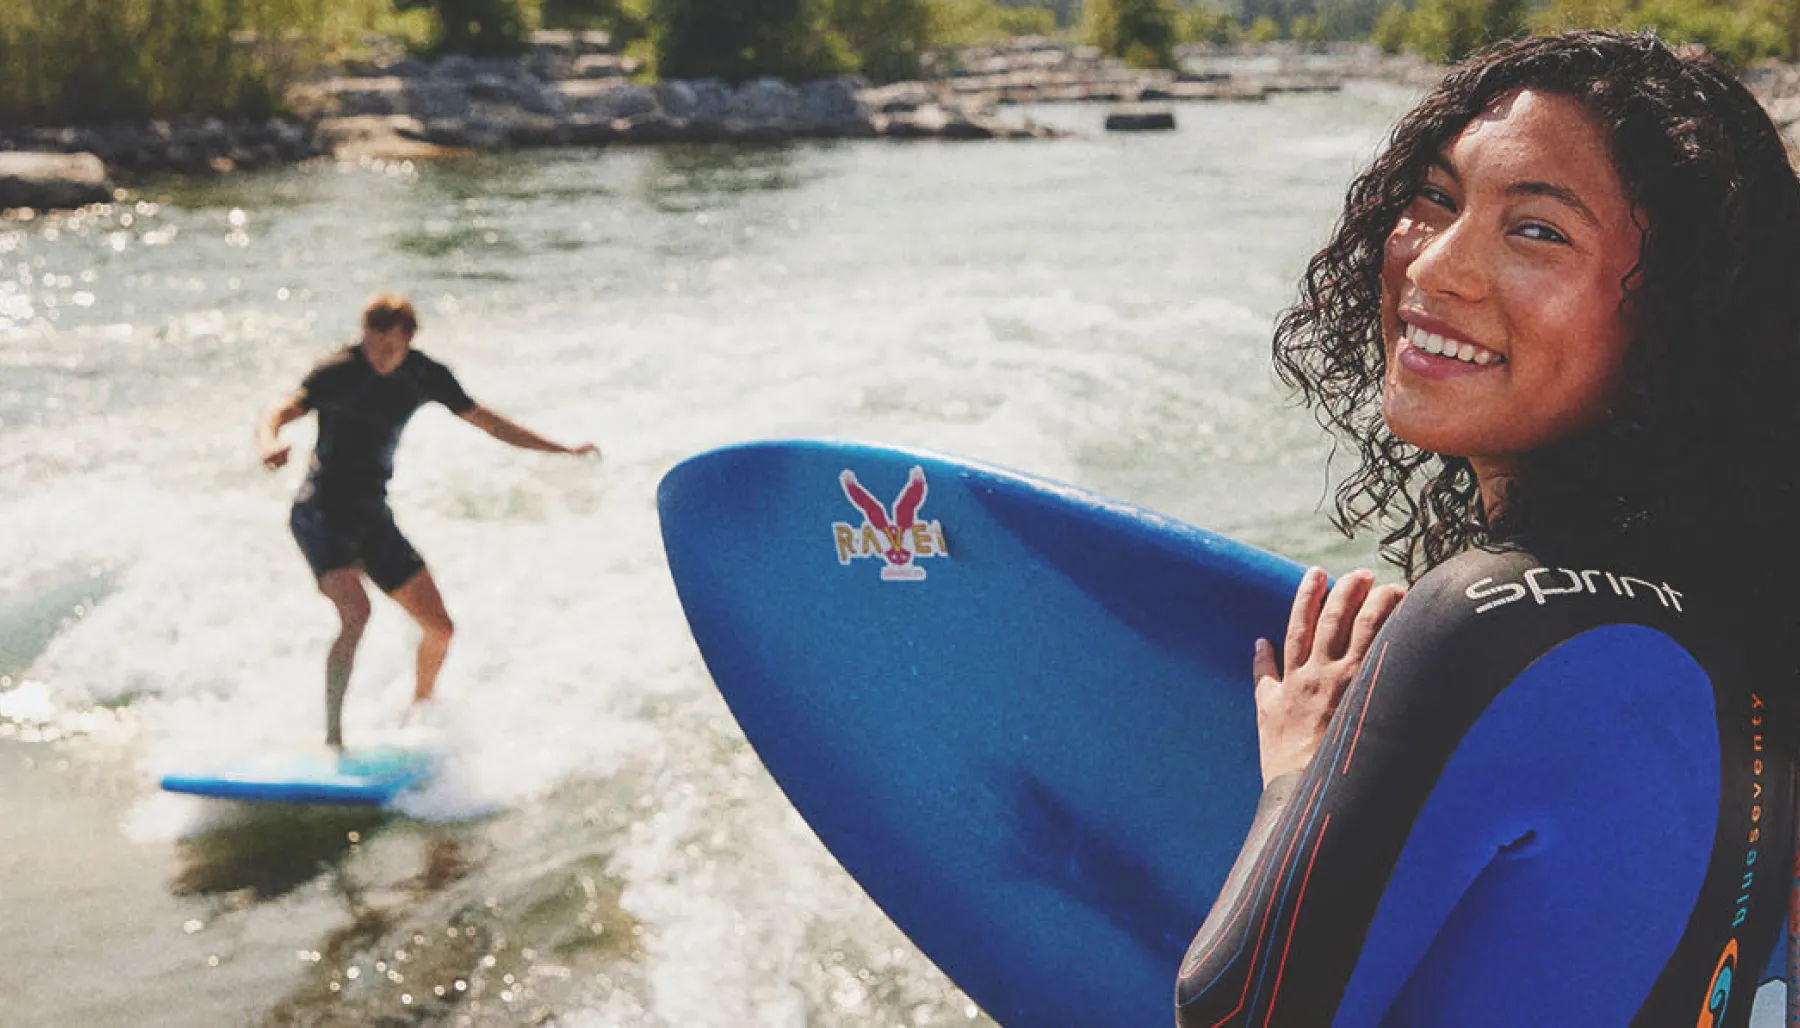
(348, 534)
(1550, 798)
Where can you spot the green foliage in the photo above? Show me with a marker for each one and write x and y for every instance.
(1263, 30)
(1140, 31)
(1027, 21)
(1449, 30)
(1391, 28)
(1348, 19)
(1308, 29)
(92, 61)
(888, 37)
(480, 28)
(1736, 32)
(744, 39)
(980, 22)
(1202, 23)
(626, 20)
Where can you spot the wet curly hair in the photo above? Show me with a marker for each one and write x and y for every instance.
(1696, 464)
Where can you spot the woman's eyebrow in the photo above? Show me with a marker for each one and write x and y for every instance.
(1561, 194)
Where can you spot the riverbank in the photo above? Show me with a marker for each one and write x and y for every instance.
(575, 89)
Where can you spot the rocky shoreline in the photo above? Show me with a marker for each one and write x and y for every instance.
(1778, 87)
(575, 89)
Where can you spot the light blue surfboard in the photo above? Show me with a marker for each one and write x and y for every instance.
(1022, 718)
(370, 776)
(1027, 730)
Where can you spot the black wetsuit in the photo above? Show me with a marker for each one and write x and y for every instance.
(1548, 799)
(341, 516)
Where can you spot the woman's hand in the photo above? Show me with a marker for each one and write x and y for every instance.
(1327, 639)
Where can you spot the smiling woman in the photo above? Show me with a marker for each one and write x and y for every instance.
(1559, 321)
(1502, 287)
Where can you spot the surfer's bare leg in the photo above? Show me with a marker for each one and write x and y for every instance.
(419, 597)
(344, 588)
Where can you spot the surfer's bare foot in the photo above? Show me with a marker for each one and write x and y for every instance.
(422, 713)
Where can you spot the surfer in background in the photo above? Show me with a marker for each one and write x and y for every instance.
(364, 395)
(1560, 322)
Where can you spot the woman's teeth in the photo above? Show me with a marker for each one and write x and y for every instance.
(1437, 344)
(1468, 353)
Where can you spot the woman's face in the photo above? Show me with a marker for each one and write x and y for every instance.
(1502, 286)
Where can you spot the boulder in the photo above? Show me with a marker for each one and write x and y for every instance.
(677, 98)
(925, 123)
(1785, 112)
(435, 97)
(52, 180)
(712, 101)
(766, 101)
(396, 138)
(359, 97)
(898, 98)
(1140, 118)
(833, 107)
(408, 68)
(601, 66)
(601, 101)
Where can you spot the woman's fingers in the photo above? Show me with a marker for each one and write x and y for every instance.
(1331, 639)
(1375, 611)
(1262, 665)
(1304, 617)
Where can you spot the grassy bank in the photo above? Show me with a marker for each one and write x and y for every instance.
(93, 61)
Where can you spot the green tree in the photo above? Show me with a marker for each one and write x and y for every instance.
(1736, 36)
(1203, 23)
(1449, 30)
(743, 39)
(1308, 29)
(1391, 29)
(480, 28)
(977, 22)
(91, 61)
(1141, 31)
(1263, 30)
(625, 20)
(1504, 19)
(1027, 21)
(1348, 19)
(1736, 31)
(887, 36)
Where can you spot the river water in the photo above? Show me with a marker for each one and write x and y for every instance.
(603, 848)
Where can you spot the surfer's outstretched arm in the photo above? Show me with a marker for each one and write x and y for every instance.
(514, 434)
(274, 452)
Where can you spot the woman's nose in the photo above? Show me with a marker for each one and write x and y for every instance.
(1450, 262)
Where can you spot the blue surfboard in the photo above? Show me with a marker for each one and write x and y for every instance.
(1019, 714)
(371, 776)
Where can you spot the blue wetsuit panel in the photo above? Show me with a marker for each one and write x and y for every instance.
(1548, 798)
(1512, 873)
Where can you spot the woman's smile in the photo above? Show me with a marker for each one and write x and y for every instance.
(1435, 349)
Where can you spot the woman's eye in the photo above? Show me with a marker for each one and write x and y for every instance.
(1433, 195)
(1541, 233)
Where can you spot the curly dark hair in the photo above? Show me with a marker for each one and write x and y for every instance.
(1696, 463)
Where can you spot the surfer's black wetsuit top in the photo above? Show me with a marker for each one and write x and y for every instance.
(1548, 799)
(341, 516)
